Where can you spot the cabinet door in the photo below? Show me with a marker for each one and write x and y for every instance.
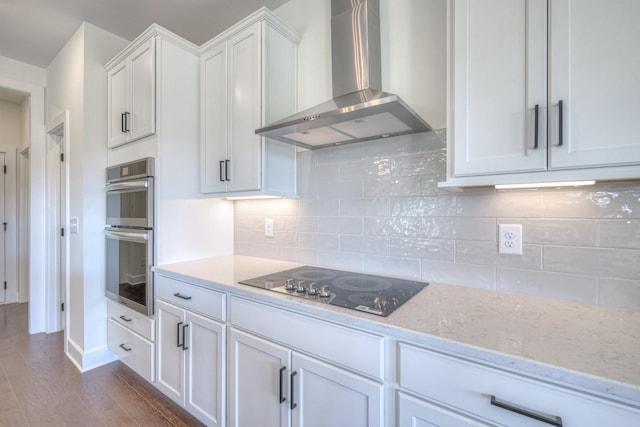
(257, 382)
(329, 396)
(420, 413)
(214, 119)
(170, 321)
(594, 69)
(245, 147)
(498, 78)
(143, 91)
(118, 93)
(204, 342)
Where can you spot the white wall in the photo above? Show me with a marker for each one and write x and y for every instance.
(76, 81)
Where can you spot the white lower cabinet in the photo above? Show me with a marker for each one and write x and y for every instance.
(453, 389)
(282, 384)
(190, 359)
(130, 336)
(422, 413)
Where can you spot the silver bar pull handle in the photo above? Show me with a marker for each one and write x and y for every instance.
(554, 420)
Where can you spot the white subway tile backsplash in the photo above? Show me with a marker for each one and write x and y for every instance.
(376, 207)
(390, 266)
(423, 206)
(429, 249)
(601, 262)
(553, 285)
(619, 293)
(396, 226)
(624, 233)
(472, 276)
(557, 231)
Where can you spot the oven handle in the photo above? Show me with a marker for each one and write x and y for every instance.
(132, 236)
(143, 183)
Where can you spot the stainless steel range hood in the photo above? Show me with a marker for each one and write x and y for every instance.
(359, 110)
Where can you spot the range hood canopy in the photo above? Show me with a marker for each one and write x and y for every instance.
(359, 110)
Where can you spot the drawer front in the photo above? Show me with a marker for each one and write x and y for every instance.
(133, 350)
(193, 298)
(139, 323)
(468, 387)
(355, 350)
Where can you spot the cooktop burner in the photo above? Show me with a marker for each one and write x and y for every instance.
(364, 292)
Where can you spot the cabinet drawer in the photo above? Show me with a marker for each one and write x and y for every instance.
(133, 350)
(356, 350)
(468, 387)
(193, 298)
(138, 323)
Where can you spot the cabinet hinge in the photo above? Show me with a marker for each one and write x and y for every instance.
(62, 307)
(62, 232)
(62, 157)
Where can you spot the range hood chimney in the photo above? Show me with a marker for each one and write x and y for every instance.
(359, 110)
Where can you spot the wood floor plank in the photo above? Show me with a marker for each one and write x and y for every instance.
(40, 386)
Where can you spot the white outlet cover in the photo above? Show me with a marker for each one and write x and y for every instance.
(510, 239)
(268, 227)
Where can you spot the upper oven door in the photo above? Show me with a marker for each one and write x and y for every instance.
(130, 204)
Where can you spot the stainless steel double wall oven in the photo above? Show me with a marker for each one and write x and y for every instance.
(129, 234)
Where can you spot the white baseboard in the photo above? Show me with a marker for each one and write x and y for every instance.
(86, 361)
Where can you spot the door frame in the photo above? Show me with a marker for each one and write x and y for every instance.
(57, 263)
(37, 278)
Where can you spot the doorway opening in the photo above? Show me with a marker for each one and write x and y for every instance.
(57, 205)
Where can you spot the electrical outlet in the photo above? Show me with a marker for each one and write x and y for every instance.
(510, 239)
(268, 227)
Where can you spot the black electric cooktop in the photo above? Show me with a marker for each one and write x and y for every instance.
(364, 292)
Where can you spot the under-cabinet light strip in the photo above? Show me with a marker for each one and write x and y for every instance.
(544, 184)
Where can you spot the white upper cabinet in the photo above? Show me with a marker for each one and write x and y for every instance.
(594, 70)
(131, 95)
(520, 69)
(248, 79)
(499, 79)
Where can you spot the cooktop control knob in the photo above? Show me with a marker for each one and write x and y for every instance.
(312, 291)
(325, 292)
(302, 287)
(291, 285)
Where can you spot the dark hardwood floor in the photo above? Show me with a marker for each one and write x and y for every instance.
(39, 386)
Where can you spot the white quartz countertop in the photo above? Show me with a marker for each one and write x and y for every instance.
(591, 348)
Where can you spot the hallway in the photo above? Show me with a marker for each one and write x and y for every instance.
(39, 386)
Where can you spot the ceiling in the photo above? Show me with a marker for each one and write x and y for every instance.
(34, 31)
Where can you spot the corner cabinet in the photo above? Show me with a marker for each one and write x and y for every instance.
(546, 91)
(280, 374)
(248, 79)
(191, 347)
(131, 95)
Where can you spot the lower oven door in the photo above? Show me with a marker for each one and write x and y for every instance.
(129, 260)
